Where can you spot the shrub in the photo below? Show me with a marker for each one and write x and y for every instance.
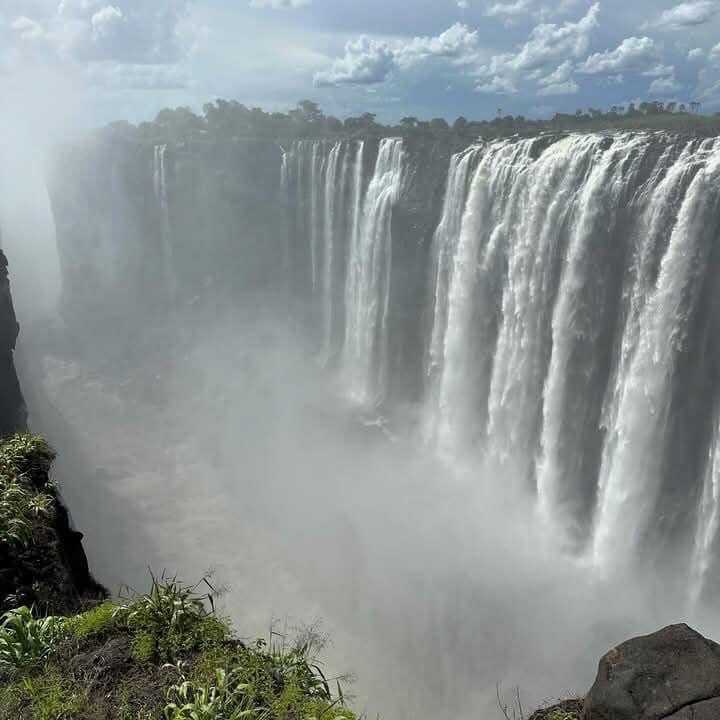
(288, 683)
(224, 698)
(18, 509)
(26, 641)
(26, 454)
(20, 503)
(171, 619)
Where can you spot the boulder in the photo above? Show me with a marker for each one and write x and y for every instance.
(673, 674)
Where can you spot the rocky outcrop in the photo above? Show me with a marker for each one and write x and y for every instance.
(674, 673)
(12, 408)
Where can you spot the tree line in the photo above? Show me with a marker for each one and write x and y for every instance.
(230, 119)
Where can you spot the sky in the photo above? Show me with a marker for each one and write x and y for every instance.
(89, 62)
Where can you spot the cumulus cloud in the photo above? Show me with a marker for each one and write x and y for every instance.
(632, 53)
(560, 75)
(367, 61)
(548, 44)
(569, 87)
(509, 10)
(695, 54)
(463, 4)
(687, 14)
(28, 29)
(457, 43)
(127, 31)
(280, 4)
(664, 86)
(497, 86)
(659, 70)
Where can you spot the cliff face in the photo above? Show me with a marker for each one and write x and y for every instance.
(144, 230)
(12, 408)
(49, 566)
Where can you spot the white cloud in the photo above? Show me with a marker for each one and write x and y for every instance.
(280, 4)
(618, 79)
(715, 52)
(497, 86)
(569, 87)
(632, 53)
(659, 70)
(457, 43)
(509, 10)
(368, 61)
(27, 28)
(106, 21)
(664, 86)
(127, 31)
(687, 14)
(463, 4)
(695, 54)
(548, 44)
(560, 75)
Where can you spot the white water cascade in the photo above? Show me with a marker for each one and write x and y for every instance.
(563, 300)
(161, 194)
(328, 176)
(368, 279)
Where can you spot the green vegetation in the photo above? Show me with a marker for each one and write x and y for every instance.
(160, 655)
(226, 120)
(26, 641)
(21, 503)
(184, 660)
(170, 620)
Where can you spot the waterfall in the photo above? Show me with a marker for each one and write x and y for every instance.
(368, 278)
(316, 171)
(629, 480)
(563, 290)
(322, 183)
(708, 521)
(161, 194)
(566, 276)
(444, 243)
(333, 197)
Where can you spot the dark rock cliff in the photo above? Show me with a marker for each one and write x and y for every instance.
(51, 570)
(13, 416)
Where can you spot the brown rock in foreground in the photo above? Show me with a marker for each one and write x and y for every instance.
(673, 674)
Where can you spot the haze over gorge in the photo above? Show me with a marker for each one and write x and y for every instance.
(456, 397)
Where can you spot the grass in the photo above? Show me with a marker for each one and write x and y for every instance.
(95, 622)
(196, 668)
(53, 697)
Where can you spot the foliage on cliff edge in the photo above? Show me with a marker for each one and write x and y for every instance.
(163, 655)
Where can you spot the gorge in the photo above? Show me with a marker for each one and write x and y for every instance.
(477, 380)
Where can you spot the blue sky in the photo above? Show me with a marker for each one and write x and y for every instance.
(128, 58)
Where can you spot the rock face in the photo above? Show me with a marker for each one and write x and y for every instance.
(12, 406)
(673, 674)
(53, 570)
